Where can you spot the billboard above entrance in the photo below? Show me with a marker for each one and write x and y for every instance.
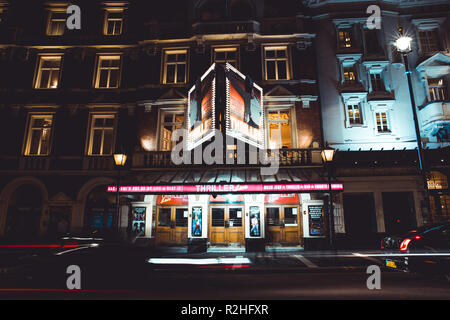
(229, 188)
(244, 108)
(201, 109)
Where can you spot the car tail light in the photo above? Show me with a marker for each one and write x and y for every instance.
(381, 244)
(404, 244)
(417, 237)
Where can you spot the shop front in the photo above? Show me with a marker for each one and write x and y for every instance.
(229, 214)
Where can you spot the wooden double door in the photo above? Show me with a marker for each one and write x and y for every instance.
(283, 224)
(226, 225)
(172, 225)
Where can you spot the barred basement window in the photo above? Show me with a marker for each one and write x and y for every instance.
(48, 72)
(39, 134)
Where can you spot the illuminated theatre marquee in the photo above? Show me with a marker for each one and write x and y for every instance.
(239, 117)
(229, 188)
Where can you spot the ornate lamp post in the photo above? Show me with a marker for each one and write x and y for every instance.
(327, 157)
(119, 159)
(403, 46)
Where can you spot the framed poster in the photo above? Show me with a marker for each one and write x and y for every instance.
(255, 222)
(138, 220)
(315, 214)
(196, 221)
(244, 108)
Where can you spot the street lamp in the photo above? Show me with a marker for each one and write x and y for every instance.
(403, 46)
(327, 157)
(119, 160)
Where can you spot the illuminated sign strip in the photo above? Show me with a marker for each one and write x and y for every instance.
(228, 188)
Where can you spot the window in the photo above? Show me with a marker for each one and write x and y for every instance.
(437, 180)
(382, 122)
(48, 72)
(279, 125)
(429, 40)
(371, 42)
(170, 121)
(56, 23)
(377, 82)
(175, 66)
(437, 89)
(39, 134)
(345, 39)
(113, 23)
(224, 55)
(354, 114)
(108, 72)
(101, 135)
(350, 75)
(276, 63)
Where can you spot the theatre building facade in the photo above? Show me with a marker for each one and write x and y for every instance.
(233, 83)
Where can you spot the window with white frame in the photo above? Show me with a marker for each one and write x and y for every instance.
(108, 72)
(175, 66)
(48, 72)
(429, 40)
(170, 121)
(226, 55)
(354, 113)
(38, 137)
(345, 38)
(377, 82)
(276, 63)
(280, 128)
(382, 121)
(56, 22)
(113, 25)
(350, 75)
(101, 134)
(437, 89)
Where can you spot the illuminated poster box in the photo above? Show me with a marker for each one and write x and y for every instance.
(201, 109)
(244, 108)
(240, 116)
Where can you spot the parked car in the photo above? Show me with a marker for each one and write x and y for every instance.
(422, 250)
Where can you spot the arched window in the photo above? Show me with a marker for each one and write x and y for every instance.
(24, 213)
(212, 10)
(439, 202)
(437, 180)
(241, 10)
(100, 210)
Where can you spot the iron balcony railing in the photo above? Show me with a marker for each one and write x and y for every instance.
(158, 159)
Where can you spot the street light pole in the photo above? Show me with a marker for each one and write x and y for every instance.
(403, 45)
(119, 160)
(327, 156)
